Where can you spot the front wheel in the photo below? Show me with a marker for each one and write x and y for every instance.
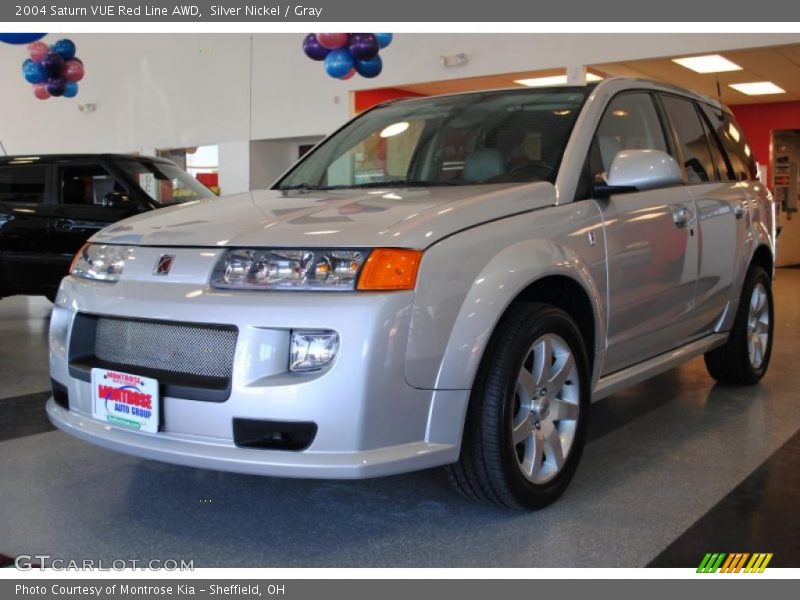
(526, 423)
(744, 359)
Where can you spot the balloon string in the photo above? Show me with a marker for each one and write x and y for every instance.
(3, 148)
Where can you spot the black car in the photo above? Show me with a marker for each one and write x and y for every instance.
(50, 205)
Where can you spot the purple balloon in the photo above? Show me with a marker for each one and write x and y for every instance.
(313, 49)
(363, 46)
(52, 64)
(55, 86)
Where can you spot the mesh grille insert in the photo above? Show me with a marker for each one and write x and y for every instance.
(177, 347)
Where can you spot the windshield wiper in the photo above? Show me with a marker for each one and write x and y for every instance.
(302, 186)
(396, 183)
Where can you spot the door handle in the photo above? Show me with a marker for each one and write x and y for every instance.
(64, 224)
(681, 216)
(738, 210)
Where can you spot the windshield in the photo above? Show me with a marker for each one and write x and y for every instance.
(489, 137)
(165, 183)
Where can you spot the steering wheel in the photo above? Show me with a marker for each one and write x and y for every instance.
(533, 164)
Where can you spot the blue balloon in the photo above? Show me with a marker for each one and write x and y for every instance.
(338, 62)
(65, 48)
(70, 89)
(384, 39)
(33, 72)
(21, 38)
(369, 68)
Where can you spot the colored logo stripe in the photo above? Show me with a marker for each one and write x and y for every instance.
(734, 563)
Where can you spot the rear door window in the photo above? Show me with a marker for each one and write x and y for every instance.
(696, 154)
(23, 184)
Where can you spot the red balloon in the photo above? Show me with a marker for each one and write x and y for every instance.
(40, 91)
(349, 75)
(38, 50)
(73, 70)
(332, 41)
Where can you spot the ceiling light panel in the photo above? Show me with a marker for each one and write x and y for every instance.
(709, 63)
(758, 88)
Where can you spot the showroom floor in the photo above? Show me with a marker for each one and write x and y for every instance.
(674, 468)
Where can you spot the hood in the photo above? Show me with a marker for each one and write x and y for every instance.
(407, 218)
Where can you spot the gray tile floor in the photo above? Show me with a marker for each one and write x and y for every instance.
(660, 455)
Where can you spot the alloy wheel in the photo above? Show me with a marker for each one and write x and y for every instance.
(546, 408)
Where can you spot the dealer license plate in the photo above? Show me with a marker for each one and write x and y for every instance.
(126, 400)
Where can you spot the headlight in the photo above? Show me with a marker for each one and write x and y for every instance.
(380, 269)
(100, 262)
(288, 269)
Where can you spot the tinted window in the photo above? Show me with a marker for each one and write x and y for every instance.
(629, 123)
(23, 184)
(691, 137)
(732, 138)
(87, 185)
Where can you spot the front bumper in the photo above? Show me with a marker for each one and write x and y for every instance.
(370, 422)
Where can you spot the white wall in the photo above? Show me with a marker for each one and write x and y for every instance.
(151, 91)
(234, 167)
(270, 158)
(175, 90)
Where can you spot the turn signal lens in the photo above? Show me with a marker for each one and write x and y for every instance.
(390, 269)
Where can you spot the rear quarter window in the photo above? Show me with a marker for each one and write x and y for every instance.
(22, 184)
(731, 136)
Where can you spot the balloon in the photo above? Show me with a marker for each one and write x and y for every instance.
(332, 41)
(384, 39)
(64, 48)
(52, 64)
(363, 46)
(55, 86)
(73, 70)
(20, 38)
(33, 72)
(70, 89)
(338, 63)
(369, 68)
(313, 49)
(40, 91)
(38, 50)
(349, 75)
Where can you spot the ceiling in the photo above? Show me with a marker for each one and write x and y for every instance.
(779, 64)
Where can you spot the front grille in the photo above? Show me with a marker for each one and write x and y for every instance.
(189, 360)
(178, 348)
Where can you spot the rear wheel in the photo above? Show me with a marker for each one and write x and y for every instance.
(744, 359)
(526, 424)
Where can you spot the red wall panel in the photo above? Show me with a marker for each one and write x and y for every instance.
(758, 121)
(365, 99)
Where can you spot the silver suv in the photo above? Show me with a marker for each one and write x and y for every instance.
(443, 281)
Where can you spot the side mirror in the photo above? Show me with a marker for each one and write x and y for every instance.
(117, 200)
(638, 170)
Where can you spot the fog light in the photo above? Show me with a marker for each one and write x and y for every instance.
(312, 350)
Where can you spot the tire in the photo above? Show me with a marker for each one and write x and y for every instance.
(505, 404)
(744, 359)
